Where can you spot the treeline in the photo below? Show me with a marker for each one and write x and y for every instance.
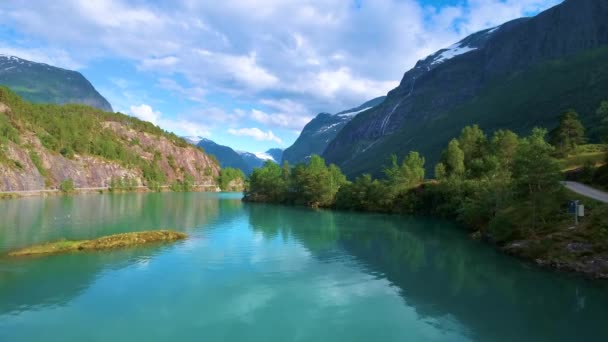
(505, 185)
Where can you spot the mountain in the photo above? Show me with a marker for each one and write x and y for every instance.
(521, 74)
(276, 154)
(226, 156)
(256, 160)
(194, 140)
(244, 161)
(42, 83)
(42, 146)
(321, 130)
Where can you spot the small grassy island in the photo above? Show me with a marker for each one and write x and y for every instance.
(108, 242)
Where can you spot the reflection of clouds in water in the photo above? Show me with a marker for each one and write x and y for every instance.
(288, 257)
(343, 289)
(244, 305)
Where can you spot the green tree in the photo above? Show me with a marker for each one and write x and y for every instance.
(504, 146)
(602, 114)
(453, 159)
(536, 176)
(473, 143)
(66, 185)
(266, 184)
(227, 177)
(569, 133)
(441, 172)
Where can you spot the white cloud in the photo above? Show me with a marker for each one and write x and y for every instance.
(256, 133)
(179, 126)
(55, 57)
(160, 62)
(290, 59)
(146, 113)
(280, 119)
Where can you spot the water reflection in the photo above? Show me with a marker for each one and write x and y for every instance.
(28, 283)
(441, 273)
(29, 221)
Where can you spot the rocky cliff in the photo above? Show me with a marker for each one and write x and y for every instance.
(521, 74)
(42, 83)
(39, 149)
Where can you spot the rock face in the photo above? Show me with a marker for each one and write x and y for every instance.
(42, 83)
(321, 130)
(27, 165)
(517, 75)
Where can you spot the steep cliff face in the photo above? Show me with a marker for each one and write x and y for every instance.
(517, 75)
(42, 83)
(36, 153)
(321, 130)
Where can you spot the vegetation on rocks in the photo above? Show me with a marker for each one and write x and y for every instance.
(104, 243)
(93, 147)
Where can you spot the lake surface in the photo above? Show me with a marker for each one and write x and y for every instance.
(252, 272)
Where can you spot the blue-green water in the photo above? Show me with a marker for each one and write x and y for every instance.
(254, 272)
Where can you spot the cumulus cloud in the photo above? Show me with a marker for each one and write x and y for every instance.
(146, 113)
(288, 59)
(179, 126)
(256, 134)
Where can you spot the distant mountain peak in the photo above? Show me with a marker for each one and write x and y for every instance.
(43, 83)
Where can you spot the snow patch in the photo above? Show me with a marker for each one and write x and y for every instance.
(355, 113)
(194, 140)
(451, 52)
(494, 30)
(264, 156)
(325, 129)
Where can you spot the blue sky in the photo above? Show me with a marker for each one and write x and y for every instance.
(245, 73)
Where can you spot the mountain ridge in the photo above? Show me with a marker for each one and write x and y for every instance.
(419, 113)
(44, 83)
(317, 134)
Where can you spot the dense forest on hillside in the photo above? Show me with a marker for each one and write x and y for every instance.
(504, 187)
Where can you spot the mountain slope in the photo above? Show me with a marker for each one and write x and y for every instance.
(42, 83)
(518, 75)
(276, 154)
(225, 155)
(43, 145)
(321, 130)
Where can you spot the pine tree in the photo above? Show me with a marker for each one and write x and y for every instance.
(569, 134)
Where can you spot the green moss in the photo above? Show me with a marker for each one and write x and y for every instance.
(109, 242)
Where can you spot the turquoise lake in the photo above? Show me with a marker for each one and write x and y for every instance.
(254, 272)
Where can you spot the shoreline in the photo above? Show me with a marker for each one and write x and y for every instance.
(95, 190)
(582, 264)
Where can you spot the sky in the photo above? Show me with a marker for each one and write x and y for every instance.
(245, 73)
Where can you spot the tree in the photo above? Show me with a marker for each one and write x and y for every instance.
(504, 146)
(408, 175)
(569, 133)
(473, 143)
(440, 171)
(227, 179)
(602, 113)
(453, 159)
(536, 175)
(67, 185)
(266, 184)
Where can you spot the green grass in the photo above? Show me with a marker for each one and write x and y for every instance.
(594, 154)
(104, 243)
